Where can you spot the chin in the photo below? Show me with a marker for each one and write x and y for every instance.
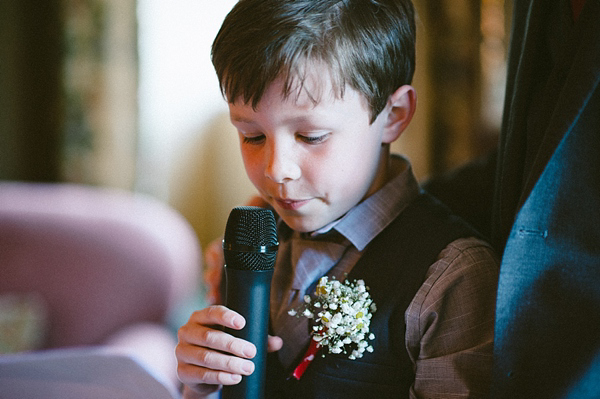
(302, 224)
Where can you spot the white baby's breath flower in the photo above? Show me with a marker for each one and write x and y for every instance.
(343, 316)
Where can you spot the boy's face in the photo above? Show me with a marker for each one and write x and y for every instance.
(311, 163)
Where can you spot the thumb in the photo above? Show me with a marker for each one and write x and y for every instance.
(274, 343)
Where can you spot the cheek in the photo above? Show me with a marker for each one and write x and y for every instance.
(356, 168)
(335, 174)
(253, 166)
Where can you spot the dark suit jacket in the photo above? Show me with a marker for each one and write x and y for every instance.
(548, 311)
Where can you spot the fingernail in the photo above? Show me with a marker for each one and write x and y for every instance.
(248, 351)
(238, 322)
(248, 367)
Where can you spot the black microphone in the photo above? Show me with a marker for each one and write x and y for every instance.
(250, 247)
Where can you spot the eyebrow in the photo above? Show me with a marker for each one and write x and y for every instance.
(241, 119)
(292, 120)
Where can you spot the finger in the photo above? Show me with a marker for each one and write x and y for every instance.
(212, 278)
(218, 315)
(202, 337)
(274, 343)
(208, 359)
(197, 332)
(214, 255)
(204, 379)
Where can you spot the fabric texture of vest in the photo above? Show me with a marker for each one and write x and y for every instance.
(393, 266)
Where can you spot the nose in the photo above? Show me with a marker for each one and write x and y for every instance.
(281, 165)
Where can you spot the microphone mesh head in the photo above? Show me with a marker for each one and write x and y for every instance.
(248, 229)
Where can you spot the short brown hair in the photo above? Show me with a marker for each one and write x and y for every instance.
(367, 44)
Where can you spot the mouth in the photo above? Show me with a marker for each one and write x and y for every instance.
(290, 204)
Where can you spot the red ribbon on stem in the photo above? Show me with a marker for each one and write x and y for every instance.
(308, 357)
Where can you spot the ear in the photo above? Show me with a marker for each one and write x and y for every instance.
(400, 109)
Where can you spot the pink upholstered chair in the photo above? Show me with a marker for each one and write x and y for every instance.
(108, 266)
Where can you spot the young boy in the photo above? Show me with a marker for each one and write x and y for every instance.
(317, 91)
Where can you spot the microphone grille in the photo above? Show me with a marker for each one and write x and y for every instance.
(250, 240)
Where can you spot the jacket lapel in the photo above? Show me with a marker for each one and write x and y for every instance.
(582, 56)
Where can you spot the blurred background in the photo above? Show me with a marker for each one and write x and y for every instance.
(121, 93)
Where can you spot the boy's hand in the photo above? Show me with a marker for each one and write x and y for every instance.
(214, 260)
(208, 358)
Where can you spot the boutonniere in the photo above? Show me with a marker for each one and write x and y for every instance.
(342, 315)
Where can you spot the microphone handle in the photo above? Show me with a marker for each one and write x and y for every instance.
(248, 294)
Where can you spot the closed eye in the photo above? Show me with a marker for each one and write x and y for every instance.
(259, 139)
(314, 139)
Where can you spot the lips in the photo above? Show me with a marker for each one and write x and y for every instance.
(291, 205)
